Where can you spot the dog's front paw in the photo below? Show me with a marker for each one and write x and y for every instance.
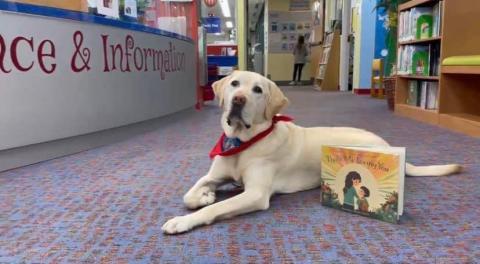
(202, 197)
(177, 225)
(207, 198)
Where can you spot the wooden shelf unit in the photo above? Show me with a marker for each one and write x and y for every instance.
(415, 3)
(459, 92)
(417, 113)
(326, 77)
(461, 69)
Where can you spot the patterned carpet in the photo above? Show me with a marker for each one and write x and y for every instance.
(108, 204)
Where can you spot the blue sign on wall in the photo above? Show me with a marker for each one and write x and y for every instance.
(212, 24)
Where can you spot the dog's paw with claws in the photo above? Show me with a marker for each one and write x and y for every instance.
(202, 198)
(177, 225)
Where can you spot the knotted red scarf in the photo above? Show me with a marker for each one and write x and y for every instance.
(218, 148)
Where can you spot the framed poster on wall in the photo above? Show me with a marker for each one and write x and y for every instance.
(130, 8)
(108, 8)
(285, 27)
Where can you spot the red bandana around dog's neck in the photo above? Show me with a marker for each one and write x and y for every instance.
(219, 150)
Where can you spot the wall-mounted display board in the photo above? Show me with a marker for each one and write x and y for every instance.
(284, 29)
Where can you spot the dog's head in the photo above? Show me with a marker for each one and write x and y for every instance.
(248, 99)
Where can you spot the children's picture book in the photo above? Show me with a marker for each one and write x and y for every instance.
(413, 92)
(432, 96)
(420, 61)
(364, 180)
(423, 95)
(422, 22)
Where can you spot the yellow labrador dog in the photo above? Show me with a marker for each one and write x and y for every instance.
(285, 161)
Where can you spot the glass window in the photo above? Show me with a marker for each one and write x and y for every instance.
(219, 20)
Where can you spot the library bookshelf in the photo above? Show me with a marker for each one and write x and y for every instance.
(326, 78)
(458, 86)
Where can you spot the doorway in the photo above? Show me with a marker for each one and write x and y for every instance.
(256, 35)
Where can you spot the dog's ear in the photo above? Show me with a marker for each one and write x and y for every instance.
(219, 88)
(276, 101)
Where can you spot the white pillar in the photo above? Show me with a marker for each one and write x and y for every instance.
(344, 45)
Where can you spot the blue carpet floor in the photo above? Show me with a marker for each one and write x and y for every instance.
(107, 205)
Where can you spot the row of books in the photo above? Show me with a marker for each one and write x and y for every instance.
(325, 55)
(423, 94)
(420, 23)
(422, 60)
(437, 19)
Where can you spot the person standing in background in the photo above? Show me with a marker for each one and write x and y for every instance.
(300, 54)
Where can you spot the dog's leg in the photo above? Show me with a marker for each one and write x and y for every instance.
(203, 192)
(255, 197)
(248, 201)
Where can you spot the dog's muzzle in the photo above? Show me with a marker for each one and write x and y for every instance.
(235, 115)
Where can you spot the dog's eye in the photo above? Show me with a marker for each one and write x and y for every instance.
(257, 89)
(235, 83)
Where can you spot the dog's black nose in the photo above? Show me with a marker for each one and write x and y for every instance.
(239, 100)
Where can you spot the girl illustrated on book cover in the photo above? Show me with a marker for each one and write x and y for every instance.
(361, 182)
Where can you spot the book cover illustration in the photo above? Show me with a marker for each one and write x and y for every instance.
(424, 27)
(422, 22)
(361, 182)
(420, 61)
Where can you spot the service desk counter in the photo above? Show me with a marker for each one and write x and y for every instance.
(65, 73)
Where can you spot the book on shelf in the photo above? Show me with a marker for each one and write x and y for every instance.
(368, 181)
(321, 71)
(413, 98)
(423, 94)
(437, 19)
(328, 39)
(432, 96)
(420, 22)
(434, 54)
(325, 55)
(420, 61)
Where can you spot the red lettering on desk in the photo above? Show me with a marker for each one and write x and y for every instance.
(45, 50)
(3, 50)
(42, 53)
(14, 55)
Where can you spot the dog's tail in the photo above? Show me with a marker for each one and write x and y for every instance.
(433, 170)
